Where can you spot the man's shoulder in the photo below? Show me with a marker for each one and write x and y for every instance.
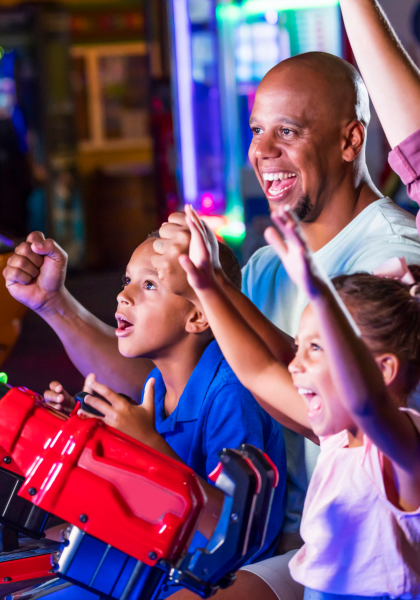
(263, 264)
(266, 254)
(383, 230)
(393, 233)
(400, 221)
(381, 221)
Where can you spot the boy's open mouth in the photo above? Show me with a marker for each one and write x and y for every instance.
(277, 185)
(124, 326)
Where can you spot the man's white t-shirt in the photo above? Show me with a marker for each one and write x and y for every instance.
(381, 231)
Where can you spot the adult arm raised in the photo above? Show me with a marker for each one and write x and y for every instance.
(35, 276)
(391, 77)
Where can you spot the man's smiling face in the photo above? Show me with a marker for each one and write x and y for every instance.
(297, 122)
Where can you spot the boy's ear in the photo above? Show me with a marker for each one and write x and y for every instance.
(389, 365)
(197, 321)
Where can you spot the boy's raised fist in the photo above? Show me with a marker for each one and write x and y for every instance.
(36, 272)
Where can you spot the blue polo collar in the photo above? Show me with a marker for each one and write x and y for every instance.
(192, 398)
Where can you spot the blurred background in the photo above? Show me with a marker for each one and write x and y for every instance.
(113, 113)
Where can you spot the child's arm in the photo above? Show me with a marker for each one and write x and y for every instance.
(357, 379)
(138, 421)
(35, 276)
(247, 354)
(391, 77)
(362, 390)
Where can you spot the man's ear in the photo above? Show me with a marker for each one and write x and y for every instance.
(354, 138)
(196, 321)
(389, 365)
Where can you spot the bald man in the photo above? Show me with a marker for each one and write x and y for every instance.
(308, 150)
(309, 126)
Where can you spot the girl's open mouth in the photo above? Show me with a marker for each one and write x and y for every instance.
(313, 402)
(124, 326)
(278, 185)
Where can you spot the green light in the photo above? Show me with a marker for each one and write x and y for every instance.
(228, 12)
(1, 52)
(234, 232)
(3, 378)
(232, 12)
(258, 7)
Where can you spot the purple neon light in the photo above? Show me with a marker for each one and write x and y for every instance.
(184, 76)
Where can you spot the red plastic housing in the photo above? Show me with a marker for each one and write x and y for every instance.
(23, 569)
(104, 482)
(9, 466)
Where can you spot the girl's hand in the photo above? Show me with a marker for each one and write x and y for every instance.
(58, 398)
(294, 252)
(137, 421)
(199, 264)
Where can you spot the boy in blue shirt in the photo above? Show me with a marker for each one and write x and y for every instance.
(199, 405)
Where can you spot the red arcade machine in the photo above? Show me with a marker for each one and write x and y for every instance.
(132, 511)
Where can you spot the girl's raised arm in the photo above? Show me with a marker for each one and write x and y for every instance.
(392, 79)
(359, 384)
(247, 354)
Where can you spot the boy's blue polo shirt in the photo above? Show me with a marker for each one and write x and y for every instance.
(214, 412)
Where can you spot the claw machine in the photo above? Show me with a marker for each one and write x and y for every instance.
(221, 51)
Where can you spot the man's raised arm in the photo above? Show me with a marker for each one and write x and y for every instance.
(392, 79)
(35, 276)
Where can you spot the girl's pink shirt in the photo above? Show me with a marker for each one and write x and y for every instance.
(405, 161)
(356, 541)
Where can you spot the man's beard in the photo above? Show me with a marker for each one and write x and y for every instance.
(303, 207)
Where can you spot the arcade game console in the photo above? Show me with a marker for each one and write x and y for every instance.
(25, 557)
(132, 511)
